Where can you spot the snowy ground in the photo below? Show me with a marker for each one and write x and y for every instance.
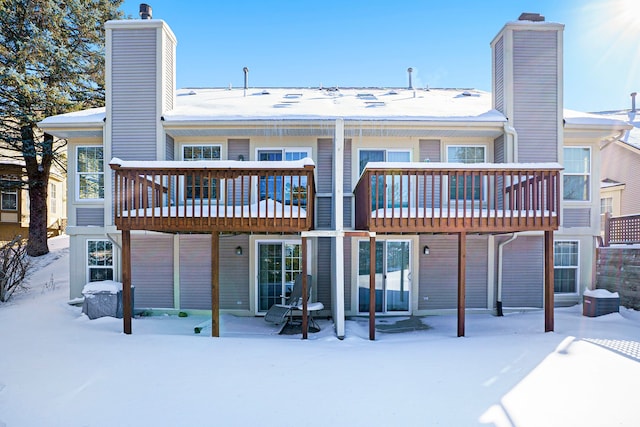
(58, 368)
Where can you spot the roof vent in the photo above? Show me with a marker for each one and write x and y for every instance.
(534, 17)
(145, 11)
(410, 71)
(367, 96)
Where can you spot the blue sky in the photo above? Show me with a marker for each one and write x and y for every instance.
(372, 43)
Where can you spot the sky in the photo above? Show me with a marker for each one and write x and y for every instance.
(58, 368)
(372, 43)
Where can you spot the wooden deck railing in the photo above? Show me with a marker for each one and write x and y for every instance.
(441, 197)
(621, 230)
(243, 198)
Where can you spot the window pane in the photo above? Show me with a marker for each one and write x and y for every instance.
(9, 201)
(367, 156)
(90, 159)
(564, 280)
(577, 160)
(576, 187)
(91, 186)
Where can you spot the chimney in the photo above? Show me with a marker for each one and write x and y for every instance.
(633, 102)
(534, 17)
(145, 11)
(410, 70)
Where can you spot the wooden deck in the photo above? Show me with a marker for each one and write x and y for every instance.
(441, 198)
(231, 199)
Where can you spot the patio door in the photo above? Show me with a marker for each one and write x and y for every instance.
(394, 189)
(294, 188)
(393, 276)
(279, 263)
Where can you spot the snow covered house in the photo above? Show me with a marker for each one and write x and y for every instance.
(396, 201)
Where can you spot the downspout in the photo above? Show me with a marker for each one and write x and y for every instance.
(513, 237)
(510, 130)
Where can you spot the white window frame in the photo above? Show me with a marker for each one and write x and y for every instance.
(284, 151)
(483, 194)
(53, 203)
(412, 181)
(256, 266)
(606, 205)
(89, 267)
(566, 267)
(221, 186)
(587, 174)
(78, 174)
(386, 241)
(13, 193)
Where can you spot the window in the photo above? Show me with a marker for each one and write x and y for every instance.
(294, 187)
(52, 198)
(9, 186)
(577, 173)
(606, 205)
(565, 263)
(469, 189)
(197, 188)
(90, 173)
(99, 260)
(392, 185)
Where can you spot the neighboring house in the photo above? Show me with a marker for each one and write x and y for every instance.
(14, 200)
(216, 199)
(620, 186)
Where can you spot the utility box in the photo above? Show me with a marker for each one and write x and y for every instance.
(104, 299)
(600, 302)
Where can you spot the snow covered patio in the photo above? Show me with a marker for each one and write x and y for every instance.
(62, 369)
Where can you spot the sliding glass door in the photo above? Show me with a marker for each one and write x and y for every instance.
(393, 276)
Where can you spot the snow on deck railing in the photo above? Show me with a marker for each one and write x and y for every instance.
(449, 197)
(214, 195)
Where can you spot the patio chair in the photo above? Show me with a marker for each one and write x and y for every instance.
(281, 314)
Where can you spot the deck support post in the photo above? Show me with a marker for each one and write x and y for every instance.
(215, 284)
(548, 281)
(372, 288)
(462, 261)
(305, 291)
(127, 308)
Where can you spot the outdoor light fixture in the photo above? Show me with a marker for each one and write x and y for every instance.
(425, 250)
(239, 250)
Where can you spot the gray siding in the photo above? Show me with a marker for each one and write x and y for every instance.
(621, 164)
(169, 148)
(536, 95)
(324, 183)
(152, 270)
(429, 151)
(572, 217)
(347, 186)
(324, 213)
(438, 287)
(133, 89)
(89, 216)
(498, 150)
(235, 149)
(324, 272)
(324, 166)
(195, 271)
(498, 58)
(522, 272)
(234, 273)
(168, 72)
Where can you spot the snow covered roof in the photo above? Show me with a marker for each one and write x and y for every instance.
(332, 103)
(203, 106)
(632, 137)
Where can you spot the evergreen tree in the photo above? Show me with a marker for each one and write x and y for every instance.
(51, 62)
